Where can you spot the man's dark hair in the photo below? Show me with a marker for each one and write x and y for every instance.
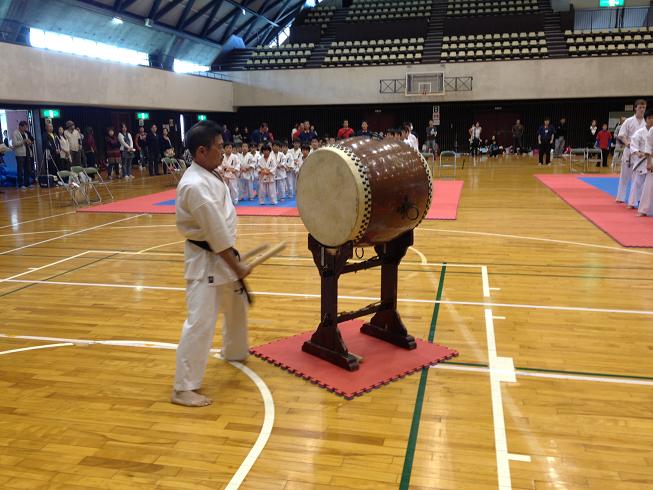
(228, 143)
(276, 143)
(639, 102)
(314, 139)
(296, 140)
(306, 147)
(202, 133)
(22, 123)
(648, 113)
(266, 148)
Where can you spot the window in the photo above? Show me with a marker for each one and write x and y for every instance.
(285, 32)
(85, 47)
(181, 66)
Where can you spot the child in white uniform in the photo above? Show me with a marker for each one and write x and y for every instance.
(280, 176)
(267, 168)
(291, 170)
(247, 173)
(230, 171)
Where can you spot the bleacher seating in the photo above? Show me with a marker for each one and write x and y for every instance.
(288, 56)
(386, 10)
(488, 47)
(470, 8)
(319, 16)
(375, 52)
(604, 42)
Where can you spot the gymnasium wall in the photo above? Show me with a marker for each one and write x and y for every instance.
(498, 80)
(34, 76)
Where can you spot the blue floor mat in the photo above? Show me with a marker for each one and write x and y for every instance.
(288, 203)
(609, 185)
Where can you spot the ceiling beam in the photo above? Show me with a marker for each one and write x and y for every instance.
(252, 22)
(184, 14)
(232, 17)
(199, 14)
(165, 9)
(283, 19)
(210, 18)
(153, 10)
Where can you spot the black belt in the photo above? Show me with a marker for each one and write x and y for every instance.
(207, 247)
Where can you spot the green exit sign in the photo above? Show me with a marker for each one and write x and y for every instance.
(143, 116)
(611, 3)
(201, 117)
(50, 113)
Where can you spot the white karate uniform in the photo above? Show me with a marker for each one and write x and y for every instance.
(637, 147)
(646, 201)
(247, 169)
(205, 213)
(412, 141)
(266, 183)
(281, 175)
(230, 173)
(628, 129)
(291, 174)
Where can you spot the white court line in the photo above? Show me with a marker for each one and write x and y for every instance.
(69, 234)
(37, 219)
(266, 395)
(34, 347)
(33, 233)
(486, 282)
(422, 257)
(34, 269)
(363, 298)
(524, 458)
(159, 246)
(549, 240)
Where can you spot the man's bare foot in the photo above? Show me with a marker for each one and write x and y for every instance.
(641, 214)
(190, 399)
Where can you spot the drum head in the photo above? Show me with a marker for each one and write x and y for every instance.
(330, 197)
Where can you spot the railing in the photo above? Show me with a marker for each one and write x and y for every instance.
(610, 18)
(451, 84)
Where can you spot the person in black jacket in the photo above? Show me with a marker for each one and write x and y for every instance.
(153, 151)
(51, 147)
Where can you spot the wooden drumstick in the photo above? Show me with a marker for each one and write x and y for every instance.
(253, 252)
(267, 254)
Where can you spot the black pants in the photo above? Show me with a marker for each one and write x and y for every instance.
(90, 159)
(475, 146)
(545, 153)
(153, 165)
(517, 144)
(604, 157)
(24, 171)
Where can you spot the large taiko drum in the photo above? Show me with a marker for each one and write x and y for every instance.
(363, 190)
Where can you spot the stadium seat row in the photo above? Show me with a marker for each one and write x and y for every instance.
(280, 63)
(378, 42)
(612, 49)
(367, 60)
(609, 38)
(493, 44)
(466, 12)
(495, 37)
(280, 53)
(289, 46)
(376, 50)
(622, 30)
(495, 54)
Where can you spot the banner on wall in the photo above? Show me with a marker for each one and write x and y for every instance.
(436, 115)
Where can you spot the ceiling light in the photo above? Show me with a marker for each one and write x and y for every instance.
(116, 21)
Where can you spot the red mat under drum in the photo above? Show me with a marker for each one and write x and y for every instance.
(446, 196)
(622, 224)
(383, 362)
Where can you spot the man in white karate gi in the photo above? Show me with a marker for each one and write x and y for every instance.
(628, 129)
(207, 218)
(646, 202)
(639, 160)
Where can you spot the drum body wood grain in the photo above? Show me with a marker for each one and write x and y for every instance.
(364, 191)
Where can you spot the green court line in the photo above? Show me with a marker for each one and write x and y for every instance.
(421, 390)
(558, 371)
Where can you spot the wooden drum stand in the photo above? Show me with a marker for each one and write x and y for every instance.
(386, 324)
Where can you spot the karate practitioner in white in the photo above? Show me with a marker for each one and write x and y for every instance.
(231, 171)
(638, 159)
(206, 215)
(281, 177)
(628, 129)
(247, 173)
(646, 202)
(267, 168)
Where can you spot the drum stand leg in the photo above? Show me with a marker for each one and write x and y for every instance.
(386, 324)
(326, 342)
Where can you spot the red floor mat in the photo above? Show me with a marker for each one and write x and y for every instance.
(446, 196)
(383, 362)
(619, 222)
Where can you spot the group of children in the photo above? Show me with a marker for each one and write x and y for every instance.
(264, 171)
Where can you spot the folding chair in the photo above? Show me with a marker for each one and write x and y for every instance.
(70, 181)
(174, 169)
(448, 159)
(93, 171)
(86, 183)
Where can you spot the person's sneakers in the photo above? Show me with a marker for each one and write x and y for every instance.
(23, 188)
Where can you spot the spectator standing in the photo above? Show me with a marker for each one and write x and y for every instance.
(431, 138)
(475, 139)
(112, 150)
(167, 148)
(364, 131)
(226, 135)
(64, 150)
(90, 148)
(153, 151)
(238, 137)
(307, 135)
(140, 143)
(493, 149)
(246, 135)
(74, 142)
(517, 137)
(23, 144)
(591, 134)
(345, 131)
(51, 146)
(294, 134)
(262, 135)
(545, 137)
(560, 138)
(604, 137)
(126, 151)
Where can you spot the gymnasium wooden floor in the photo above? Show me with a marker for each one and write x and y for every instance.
(528, 282)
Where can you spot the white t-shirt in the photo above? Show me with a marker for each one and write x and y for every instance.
(205, 213)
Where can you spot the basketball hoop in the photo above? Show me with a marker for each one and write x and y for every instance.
(424, 91)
